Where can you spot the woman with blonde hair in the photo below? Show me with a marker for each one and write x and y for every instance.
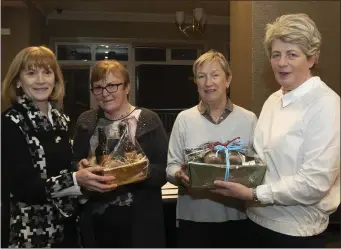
(39, 188)
(298, 136)
(204, 218)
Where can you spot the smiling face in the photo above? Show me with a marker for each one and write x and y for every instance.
(37, 83)
(212, 82)
(117, 96)
(289, 64)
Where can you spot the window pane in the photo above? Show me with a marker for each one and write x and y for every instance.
(167, 81)
(73, 52)
(184, 54)
(116, 52)
(77, 93)
(150, 54)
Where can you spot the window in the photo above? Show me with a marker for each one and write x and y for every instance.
(184, 54)
(116, 52)
(150, 54)
(74, 52)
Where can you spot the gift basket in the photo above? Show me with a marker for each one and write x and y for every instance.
(230, 161)
(126, 161)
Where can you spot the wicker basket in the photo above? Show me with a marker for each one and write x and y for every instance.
(128, 173)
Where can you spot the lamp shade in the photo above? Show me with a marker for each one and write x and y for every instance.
(198, 13)
(180, 17)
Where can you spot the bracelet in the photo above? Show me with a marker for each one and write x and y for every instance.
(254, 196)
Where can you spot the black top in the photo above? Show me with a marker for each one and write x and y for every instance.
(147, 214)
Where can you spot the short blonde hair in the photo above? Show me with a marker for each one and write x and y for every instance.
(210, 56)
(298, 29)
(27, 59)
(102, 68)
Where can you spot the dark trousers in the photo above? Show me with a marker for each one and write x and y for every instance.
(71, 235)
(210, 234)
(260, 237)
(113, 228)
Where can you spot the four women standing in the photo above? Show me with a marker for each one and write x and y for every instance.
(297, 135)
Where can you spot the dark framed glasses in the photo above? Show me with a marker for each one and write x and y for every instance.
(111, 88)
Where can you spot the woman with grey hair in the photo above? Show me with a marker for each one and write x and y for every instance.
(298, 135)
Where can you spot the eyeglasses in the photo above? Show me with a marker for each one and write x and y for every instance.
(111, 88)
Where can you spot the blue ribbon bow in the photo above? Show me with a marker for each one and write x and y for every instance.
(234, 146)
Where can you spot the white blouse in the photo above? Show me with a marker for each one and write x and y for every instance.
(298, 135)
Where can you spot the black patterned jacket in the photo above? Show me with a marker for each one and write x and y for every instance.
(35, 164)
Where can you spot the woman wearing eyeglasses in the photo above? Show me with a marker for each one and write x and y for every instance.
(131, 215)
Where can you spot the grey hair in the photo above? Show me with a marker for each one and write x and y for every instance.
(298, 29)
(210, 56)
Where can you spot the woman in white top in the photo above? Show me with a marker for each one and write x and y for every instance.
(298, 135)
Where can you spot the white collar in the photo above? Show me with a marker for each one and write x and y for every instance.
(298, 92)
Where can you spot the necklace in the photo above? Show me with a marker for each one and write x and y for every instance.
(121, 116)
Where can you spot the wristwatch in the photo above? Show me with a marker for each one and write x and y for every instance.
(254, 195)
